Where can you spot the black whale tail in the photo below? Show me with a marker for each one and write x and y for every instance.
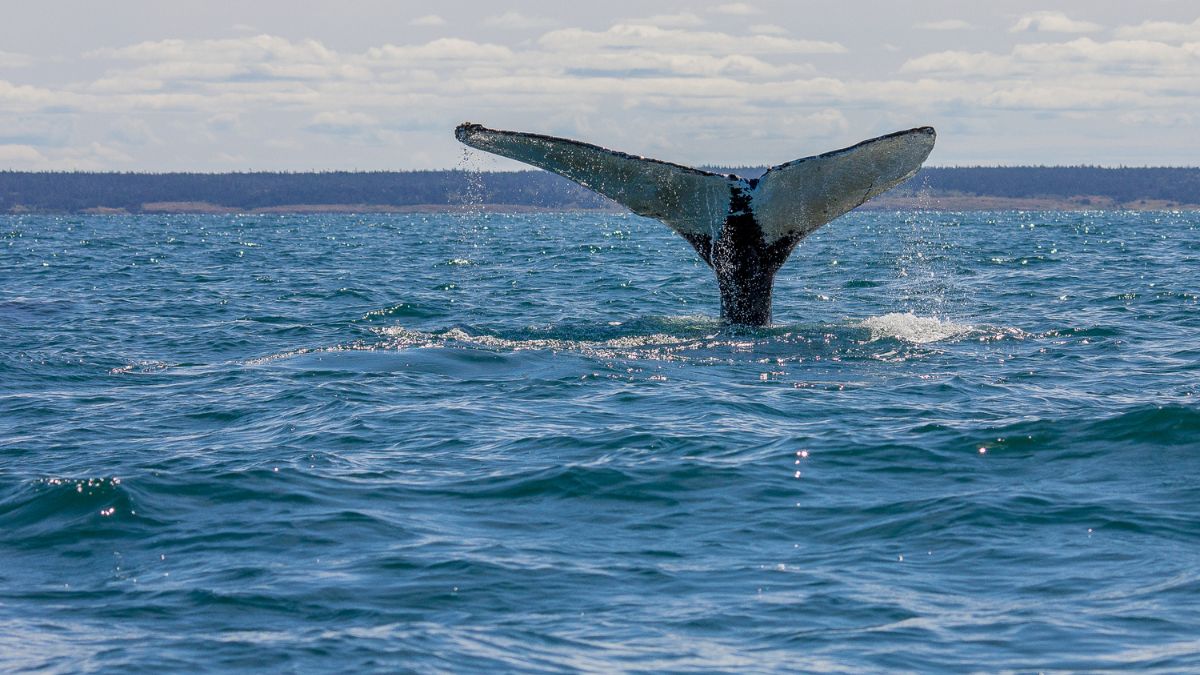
(744, 229)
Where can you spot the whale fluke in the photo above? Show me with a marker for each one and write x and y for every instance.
(743, 228)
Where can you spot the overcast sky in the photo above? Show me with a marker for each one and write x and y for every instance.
(214, 85)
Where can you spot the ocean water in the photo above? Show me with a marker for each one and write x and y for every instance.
(523, 443)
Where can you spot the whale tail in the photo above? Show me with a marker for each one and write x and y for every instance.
(744, 229)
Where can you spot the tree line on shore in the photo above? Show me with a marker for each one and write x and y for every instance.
(78, 191)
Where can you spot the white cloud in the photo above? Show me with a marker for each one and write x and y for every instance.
(736, 9)
(95, 155)
(342, 122)
(680, 20)
(1152, 81)
(13, 60)
(428, 20)
(1116, 58)
(258, 47)
(647, 63)
(1052, 22)
(945, 24)
(1130, 55)
(352, 126)
(1171, 119)
(1061, 97)
(88, 157)
(20, 156)
(820, 123)
(517, 21)
(644, 84)
(1165, 31)
(440, 51)
(960, 62)
(125, 83)
(256, 58)
(768, 29)
(22, 97)
(625, 36)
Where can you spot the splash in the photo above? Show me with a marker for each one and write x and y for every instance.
(474, 190)
(909, 327)
(925, 282)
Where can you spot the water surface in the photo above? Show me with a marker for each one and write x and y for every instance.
(473, 442)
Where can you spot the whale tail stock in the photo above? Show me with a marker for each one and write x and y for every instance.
(743, 228)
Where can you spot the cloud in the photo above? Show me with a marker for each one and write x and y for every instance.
(354, 127)
(22, 97)
(1171, 119)
(517, 21)
(656, 64)
(680, 20)
(960, 62)
(428, 20)
(1052, 22)
(664, 82)
(626, 36)
(945, 24)
(1165, 31)
(441, 50)
(1115, 58)
(342, 123)
(736, 9)
(20, 156)
(768, 29)
(88, 157)
(13, 60)
(259, 47)
(128, 130)
(256, 58)
(1128, 53)
(1061, 97)
(1154, 81)
(223, 122)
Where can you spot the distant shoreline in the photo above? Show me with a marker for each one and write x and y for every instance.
(934, 189)
(882, 203)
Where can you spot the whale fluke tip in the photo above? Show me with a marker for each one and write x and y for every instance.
(462, 131)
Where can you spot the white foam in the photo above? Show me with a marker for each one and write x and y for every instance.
(912, 328)
(407, 338)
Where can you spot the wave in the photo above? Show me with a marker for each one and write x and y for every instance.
(693, 339)
(61, 509)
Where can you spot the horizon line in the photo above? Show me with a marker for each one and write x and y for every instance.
(709, 167)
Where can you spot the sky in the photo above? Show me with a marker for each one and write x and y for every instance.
(219, 85)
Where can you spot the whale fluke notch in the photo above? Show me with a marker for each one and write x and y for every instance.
(743, 228)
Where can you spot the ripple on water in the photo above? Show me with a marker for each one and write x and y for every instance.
(520, 442)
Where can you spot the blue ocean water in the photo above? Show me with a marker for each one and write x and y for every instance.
(523, 442)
